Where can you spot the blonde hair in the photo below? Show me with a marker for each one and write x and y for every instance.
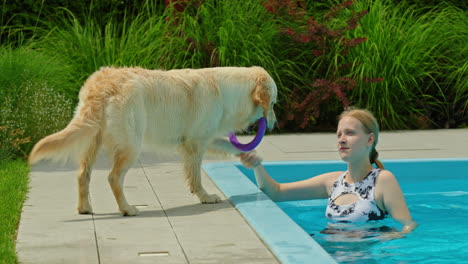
(370, 124)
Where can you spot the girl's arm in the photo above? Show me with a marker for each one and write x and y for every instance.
(313, 188)
(394, 201)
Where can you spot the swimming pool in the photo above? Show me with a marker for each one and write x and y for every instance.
(435, 190)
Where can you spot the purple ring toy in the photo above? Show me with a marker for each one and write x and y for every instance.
(254, 143)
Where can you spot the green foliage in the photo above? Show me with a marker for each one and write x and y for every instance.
(86, 47)
(13, 188)
(429, 4)
(20, 19)
(405, 63)
(224, 33)
(446, 102)
(419, 55)
(11, 142)
(34, 92)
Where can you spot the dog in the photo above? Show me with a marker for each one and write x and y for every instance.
(190, 110)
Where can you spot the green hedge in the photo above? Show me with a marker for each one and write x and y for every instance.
(403, 62)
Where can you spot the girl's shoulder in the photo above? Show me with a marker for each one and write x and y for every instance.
(386, 180)
(385, 175)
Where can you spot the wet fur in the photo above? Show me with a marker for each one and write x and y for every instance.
(191, 110)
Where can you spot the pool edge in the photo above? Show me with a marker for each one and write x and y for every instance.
(285, 239)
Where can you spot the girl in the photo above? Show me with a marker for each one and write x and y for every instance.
(360, 194)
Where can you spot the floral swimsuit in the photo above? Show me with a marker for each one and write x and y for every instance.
(364, 209)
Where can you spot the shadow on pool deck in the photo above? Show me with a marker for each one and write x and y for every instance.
(173, 227)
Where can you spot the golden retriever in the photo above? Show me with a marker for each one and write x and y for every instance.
(190, 109)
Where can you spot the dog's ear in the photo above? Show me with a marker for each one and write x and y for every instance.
(260, 94)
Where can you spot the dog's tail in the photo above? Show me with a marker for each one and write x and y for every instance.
(69, 145)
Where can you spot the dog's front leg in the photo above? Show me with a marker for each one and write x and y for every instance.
(193, 155)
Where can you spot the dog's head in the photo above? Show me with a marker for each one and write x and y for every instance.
(264, 96)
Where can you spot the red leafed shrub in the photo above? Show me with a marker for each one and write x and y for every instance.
(323, 46)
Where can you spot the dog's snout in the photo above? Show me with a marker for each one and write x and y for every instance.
(271, 123)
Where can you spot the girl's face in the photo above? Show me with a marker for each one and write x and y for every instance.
(353, 141)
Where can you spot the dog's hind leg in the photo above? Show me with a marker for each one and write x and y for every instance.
(84, 176)
(123, 159)
(192, 155)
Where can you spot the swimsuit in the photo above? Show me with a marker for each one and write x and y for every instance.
(364, 209)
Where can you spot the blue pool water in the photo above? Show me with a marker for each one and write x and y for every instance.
(435, 189)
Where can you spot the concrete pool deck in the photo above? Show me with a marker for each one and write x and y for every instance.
(173, 227)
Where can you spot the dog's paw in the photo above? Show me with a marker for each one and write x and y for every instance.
(210, 199)
(85, 209)
(129, 211)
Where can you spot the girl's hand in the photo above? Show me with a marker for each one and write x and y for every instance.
(250, 159)
(387, 236)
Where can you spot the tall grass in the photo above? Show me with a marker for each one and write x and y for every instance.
(86, 45)
(421, 57)
(216, 33)
(232, 33)
(448, 101)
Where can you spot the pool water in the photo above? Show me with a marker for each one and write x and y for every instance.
(442, 234)
(436, 192)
